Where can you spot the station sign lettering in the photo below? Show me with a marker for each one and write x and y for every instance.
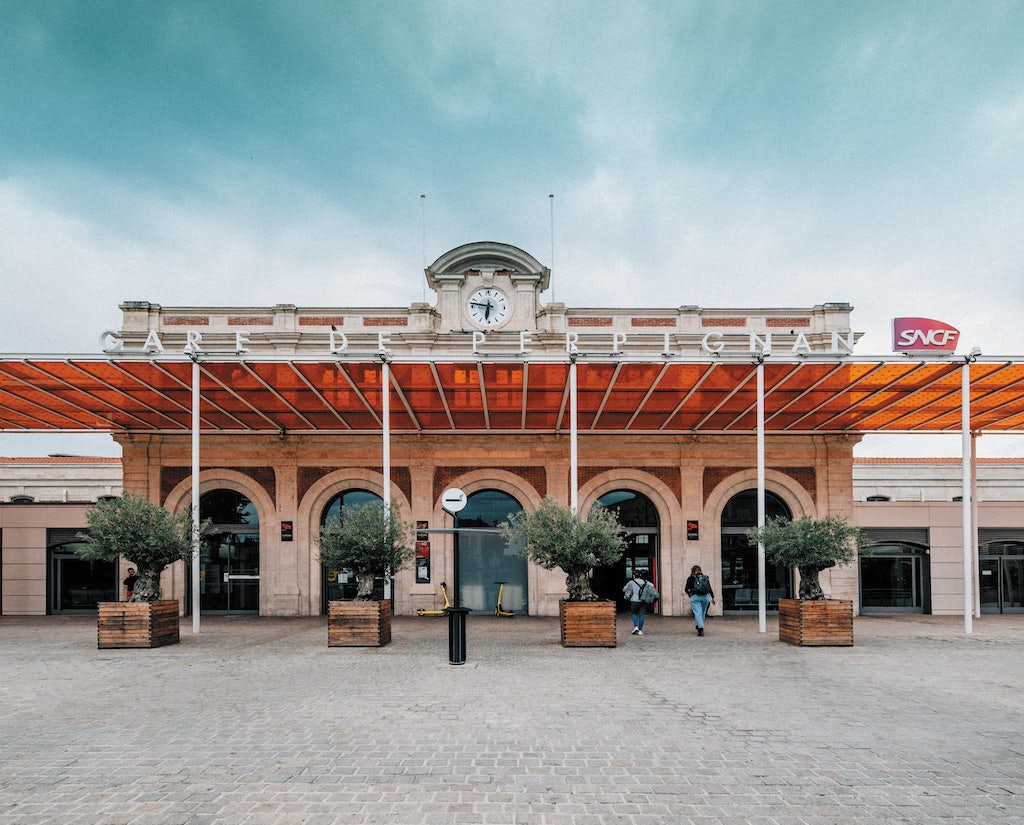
(923, 335)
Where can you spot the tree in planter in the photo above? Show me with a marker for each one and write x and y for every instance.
(147, 535)
(553, 536)
(369, 541)
(810, 545)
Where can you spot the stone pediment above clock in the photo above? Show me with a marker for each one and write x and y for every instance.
(486, 285)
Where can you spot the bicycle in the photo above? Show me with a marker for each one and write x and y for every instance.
(444, 592)
(499, 610)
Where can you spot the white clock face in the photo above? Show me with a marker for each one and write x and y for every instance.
(488, 307)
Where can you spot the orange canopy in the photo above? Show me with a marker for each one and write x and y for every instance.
(673, 396)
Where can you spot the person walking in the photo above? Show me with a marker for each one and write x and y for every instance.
(637, 607)
(698, 588)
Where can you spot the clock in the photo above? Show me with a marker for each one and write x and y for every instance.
(488, 307)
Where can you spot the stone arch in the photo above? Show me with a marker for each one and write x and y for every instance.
(308, 512)
(669, 520)
(784, 486)
(791, 492)
(217, 478)
(487, 254)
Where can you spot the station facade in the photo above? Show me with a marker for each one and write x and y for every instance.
(685, 499)
(462, 419)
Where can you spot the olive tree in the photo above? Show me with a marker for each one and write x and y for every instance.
(368, 540)
(143, 533)
(810, 545)
(555, 536)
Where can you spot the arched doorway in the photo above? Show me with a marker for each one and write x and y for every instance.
(229, 564)
(483, 558)
(739, 555)
(639, 519)
(340, 585)
(894, 578)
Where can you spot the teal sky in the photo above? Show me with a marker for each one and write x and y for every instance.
(722, 154)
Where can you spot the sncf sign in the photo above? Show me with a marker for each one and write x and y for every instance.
(923, 334)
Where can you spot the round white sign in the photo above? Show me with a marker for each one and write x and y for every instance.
(453, 500)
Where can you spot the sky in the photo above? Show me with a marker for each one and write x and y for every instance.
(723, 154)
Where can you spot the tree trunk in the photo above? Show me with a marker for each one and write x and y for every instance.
(578, 584)
(810, 588)
(147, 586)
(364, 587)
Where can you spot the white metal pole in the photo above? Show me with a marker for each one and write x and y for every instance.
(762, 601)
(965, 426)
(385, 414)
(573, 436)
(195, 495)
(976, 560)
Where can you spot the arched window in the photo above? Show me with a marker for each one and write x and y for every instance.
(340, 585)
(739, 555)
(230, 553)
(483, 557)
(641, 527)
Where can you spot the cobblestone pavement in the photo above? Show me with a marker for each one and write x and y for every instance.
(256, 720)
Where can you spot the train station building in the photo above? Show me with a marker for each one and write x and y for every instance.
(685, 420)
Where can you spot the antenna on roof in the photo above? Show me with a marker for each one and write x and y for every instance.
(423, 244)
(551, 200)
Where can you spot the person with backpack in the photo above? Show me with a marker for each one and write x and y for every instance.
(698, 588)
(640, 594)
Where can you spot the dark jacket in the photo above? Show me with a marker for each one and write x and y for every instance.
(688, 590)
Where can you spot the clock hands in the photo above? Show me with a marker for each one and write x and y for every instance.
(486, 307)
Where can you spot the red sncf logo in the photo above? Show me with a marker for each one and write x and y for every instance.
(918, 334)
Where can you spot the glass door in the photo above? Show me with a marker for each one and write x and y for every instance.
(230, 573)
(1002, 584)
(78, 585)
(894, 578)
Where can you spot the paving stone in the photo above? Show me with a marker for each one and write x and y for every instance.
(256, 720)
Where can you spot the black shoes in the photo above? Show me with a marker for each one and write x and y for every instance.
(700, 631)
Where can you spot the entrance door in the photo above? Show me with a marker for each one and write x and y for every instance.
(483, 558)
(739, 556)
(230, 571)
(1002, 584)
(78, 585)
(639, 519)
(230, 554)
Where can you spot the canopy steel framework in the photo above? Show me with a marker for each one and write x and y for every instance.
(218, 392)
(263, 394)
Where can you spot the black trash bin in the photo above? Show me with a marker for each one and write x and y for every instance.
(457, 635)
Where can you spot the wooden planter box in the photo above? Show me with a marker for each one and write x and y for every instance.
(819, 623)
(587, 624)
(359, 624)
(138, 624)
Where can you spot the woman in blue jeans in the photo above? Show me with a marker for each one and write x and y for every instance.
(637, 607)
(698, 588)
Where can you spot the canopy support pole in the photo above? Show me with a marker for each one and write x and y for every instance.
(385, 414)
(968, 461)
(974, 524)
(762, 600)
(195, 494)
(574, 491)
